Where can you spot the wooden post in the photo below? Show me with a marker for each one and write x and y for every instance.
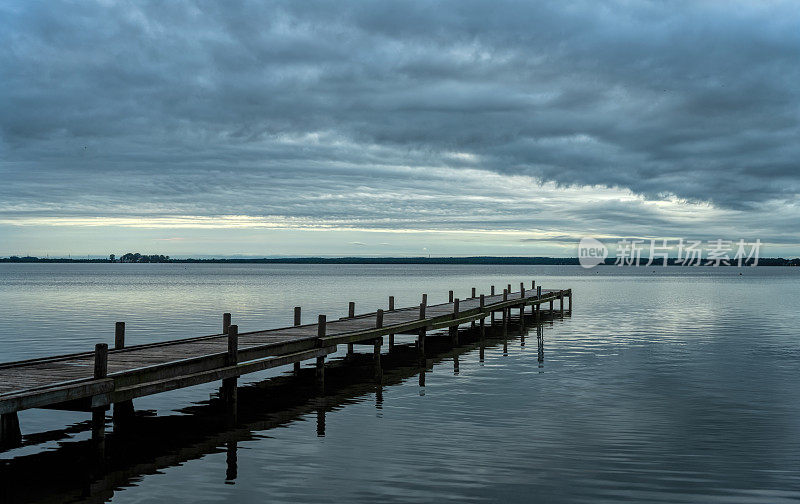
(483, 319)
(492, 311)
(123, 411)
(454, 328)
(226, 322)
(551, 307)
(10, 434)
(522, 305)
(570, 301)
(505, 297)
(561, 303)
(450, 297)
(538, 313)
(391, 336)
(351, 312)
(99, 413)
(533, 285)
(505, 321)
(425, 299)
(473, 293)
(509, 288)
(422, 330)
(321, 323)
(297, 322)
(229, 389)
(376, 351)
(119, 335)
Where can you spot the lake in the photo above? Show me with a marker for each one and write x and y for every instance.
(665, 385)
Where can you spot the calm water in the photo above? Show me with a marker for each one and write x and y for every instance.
(666, 385)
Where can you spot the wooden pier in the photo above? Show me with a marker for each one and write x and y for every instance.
(93, 381)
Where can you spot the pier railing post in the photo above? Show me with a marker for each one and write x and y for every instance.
(391, 336)
(492, 293)
(539, 303)
(450, 297)
(483, 318)
(522, 304)
(297, 322)
(505, 313)
(321, 323)
(229, 389)
(422, 330)
(454, 328)
(376, 351)
(226, 322)
(473, 293)
(351, 312)
(119, 335)
(99, 413)
(123, 411)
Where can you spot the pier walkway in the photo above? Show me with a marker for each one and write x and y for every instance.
(92, 381)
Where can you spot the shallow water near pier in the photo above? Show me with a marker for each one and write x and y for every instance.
(665, 385)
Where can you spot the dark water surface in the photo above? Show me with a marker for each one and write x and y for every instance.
(666, 385)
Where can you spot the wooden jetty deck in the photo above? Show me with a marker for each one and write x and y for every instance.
(92, 381)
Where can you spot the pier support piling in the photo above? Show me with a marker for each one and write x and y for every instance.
(297, 321)
(320, 378)
(351, 313)
(99, 413)
(376, 349)
(230, 392)
(391, 336)
(454, 328)
(422, 330)
(123, 412)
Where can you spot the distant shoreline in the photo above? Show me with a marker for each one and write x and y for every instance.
(473, 260)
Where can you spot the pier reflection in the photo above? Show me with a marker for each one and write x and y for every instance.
(75, 472)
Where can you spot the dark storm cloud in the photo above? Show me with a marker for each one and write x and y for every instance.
(334, 109)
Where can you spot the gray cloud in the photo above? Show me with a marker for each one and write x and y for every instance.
(386, 113)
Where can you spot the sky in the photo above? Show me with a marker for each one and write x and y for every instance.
(396, 128)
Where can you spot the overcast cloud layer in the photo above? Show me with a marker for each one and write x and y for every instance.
(525, 123)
